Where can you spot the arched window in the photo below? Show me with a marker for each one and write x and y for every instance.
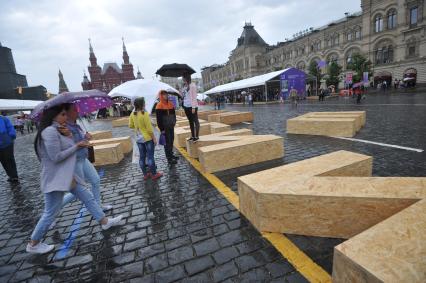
(392, 19)
(301, 65)
(350, 54)
(384, 53)
(413, 16)
(332, 58)
(378, 23)
(349, 36)
(358, 33)
(412, 49)
(335, 40)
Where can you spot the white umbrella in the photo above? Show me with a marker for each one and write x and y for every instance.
(145, 88)
(408, 79)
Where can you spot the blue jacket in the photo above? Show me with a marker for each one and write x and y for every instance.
(7, 132)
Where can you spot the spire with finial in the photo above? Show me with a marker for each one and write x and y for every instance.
(139, 75)
(124, 46)
(90, 46)
(92, 57)
(125, 55)
(62, 85)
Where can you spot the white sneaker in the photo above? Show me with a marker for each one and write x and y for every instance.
(112, 222)
(40, 248)
(51, 226)
(106, 207)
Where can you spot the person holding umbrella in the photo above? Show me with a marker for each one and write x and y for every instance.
(84, 168)
(190, 105)
(166, 121)
(56, 150)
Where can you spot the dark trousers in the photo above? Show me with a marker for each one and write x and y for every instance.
(170, 138)
(7, 159)
(194, 124)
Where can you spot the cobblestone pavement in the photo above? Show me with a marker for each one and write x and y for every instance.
(182, 228)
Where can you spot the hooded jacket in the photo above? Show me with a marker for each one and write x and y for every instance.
(166, 115)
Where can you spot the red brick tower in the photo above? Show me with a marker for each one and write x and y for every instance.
(126, 67)
(94, 70)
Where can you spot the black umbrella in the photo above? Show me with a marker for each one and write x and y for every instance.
(174, 70)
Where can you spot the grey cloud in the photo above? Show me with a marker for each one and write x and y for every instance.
(47, 35)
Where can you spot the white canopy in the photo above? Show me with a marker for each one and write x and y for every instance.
(246, 83)
(141, 88)
(18, 104)
(200, 96)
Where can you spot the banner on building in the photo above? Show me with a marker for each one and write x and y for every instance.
(365, 77)
(349, 77)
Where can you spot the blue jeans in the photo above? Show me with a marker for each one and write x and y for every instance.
(53, 204)
(146, 152)
(85, 170)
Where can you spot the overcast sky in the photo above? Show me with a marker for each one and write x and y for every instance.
(47, 35)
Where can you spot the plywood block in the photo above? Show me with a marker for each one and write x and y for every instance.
(120, 122)
(358, 118)
(247, 151)
(391, 251)
(341, 127)
(361, 114)
(192, 148)
(180, 113)
(108, 154)
(231, 118)
(100, 135)
(219, 127)
(125, 143)
(183, 133)
(334, 195)
(341, 124)
(205, 114)
(184, 122)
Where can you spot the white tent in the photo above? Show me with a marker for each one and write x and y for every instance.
(201, 96)
(141, 88)
(246, 83)
(18, 104)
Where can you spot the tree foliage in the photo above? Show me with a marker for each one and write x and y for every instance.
(333, 72)
(359, 64)
(314, 70)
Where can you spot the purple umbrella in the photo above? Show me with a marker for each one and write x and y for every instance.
(86, 102)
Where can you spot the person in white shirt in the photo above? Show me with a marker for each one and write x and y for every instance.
(190, 105)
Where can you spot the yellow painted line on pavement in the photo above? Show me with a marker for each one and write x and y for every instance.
(303, 263)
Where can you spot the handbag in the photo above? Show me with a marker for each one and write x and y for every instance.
(162, 139)
(135, 154)
(91, 154)
(138, 134)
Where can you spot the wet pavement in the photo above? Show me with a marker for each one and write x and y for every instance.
(181, 228)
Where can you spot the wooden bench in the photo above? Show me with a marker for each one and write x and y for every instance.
(120, 122)
(339, 127)
(334, 195)
(231, 118)
(192, 148)
(244, 151)
(125, 143)
(108, 154)
(340, 124)
(205, 114)
(99, 135)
